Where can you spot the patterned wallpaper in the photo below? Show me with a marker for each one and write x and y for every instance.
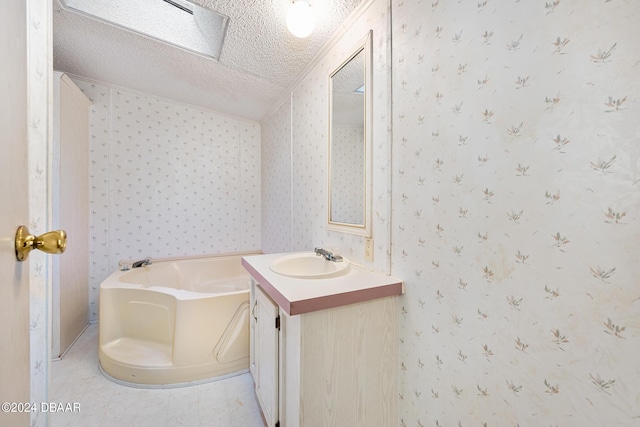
(167, 180)
(516, 211)
(515, 199)
(515, 203)
(39, 78)
(275, 150)
(300, 135)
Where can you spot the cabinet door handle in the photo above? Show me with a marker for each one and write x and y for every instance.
(253, 310)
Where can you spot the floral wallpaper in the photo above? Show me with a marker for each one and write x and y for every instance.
(303, 138)
(516, 201)
(515, 205)
(167, 180)
(39, 70)
(275, 139)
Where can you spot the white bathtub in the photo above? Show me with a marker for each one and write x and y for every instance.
(175, 322)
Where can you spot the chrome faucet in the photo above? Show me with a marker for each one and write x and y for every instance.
(126, 265)
(328, 255)
(141, 263)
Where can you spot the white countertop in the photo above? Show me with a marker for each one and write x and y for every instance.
(298, 296)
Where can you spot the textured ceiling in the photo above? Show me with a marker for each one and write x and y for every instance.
(260, 59)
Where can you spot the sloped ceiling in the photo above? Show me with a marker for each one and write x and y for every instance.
(260, 59)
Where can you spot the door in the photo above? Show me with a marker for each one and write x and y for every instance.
(70, 211)
(14, 211)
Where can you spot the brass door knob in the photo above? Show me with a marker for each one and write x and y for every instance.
(53, 242)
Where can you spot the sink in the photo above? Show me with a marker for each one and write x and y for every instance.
(308, 265)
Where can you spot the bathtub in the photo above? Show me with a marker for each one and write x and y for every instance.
(175, 322)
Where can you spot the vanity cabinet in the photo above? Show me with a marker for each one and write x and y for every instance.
(330, 367)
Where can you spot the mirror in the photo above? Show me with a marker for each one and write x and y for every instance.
(350, 143)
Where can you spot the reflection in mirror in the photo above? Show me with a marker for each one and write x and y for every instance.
(349, 180)
(347, 143)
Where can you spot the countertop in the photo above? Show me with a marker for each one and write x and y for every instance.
(299, 296)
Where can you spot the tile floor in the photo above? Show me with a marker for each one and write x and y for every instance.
(76, 378)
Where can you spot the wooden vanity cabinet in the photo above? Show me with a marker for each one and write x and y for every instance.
(332, 367)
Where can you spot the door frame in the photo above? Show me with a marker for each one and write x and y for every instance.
(39, 137)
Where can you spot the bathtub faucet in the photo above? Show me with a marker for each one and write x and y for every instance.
(141, 263)
(328, 255)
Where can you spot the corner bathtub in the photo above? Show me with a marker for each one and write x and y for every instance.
(175, 322)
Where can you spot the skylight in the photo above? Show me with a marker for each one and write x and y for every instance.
(183, 5)
(177, 22)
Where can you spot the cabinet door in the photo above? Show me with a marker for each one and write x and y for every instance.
(266, 356)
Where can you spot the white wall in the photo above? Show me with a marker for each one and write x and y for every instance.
(167, 179)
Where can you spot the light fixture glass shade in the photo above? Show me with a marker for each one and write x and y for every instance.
(300, 19)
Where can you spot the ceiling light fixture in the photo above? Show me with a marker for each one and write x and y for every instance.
(300, 19)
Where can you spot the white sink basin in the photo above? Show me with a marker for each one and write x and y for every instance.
(308, 265)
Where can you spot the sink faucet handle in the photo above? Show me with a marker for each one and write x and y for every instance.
(327, 255)
(141, 263)
(124, 265)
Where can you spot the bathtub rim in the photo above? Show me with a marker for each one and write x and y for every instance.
(198, 256)
(112, 280)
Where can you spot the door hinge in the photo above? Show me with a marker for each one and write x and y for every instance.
(278, 323)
